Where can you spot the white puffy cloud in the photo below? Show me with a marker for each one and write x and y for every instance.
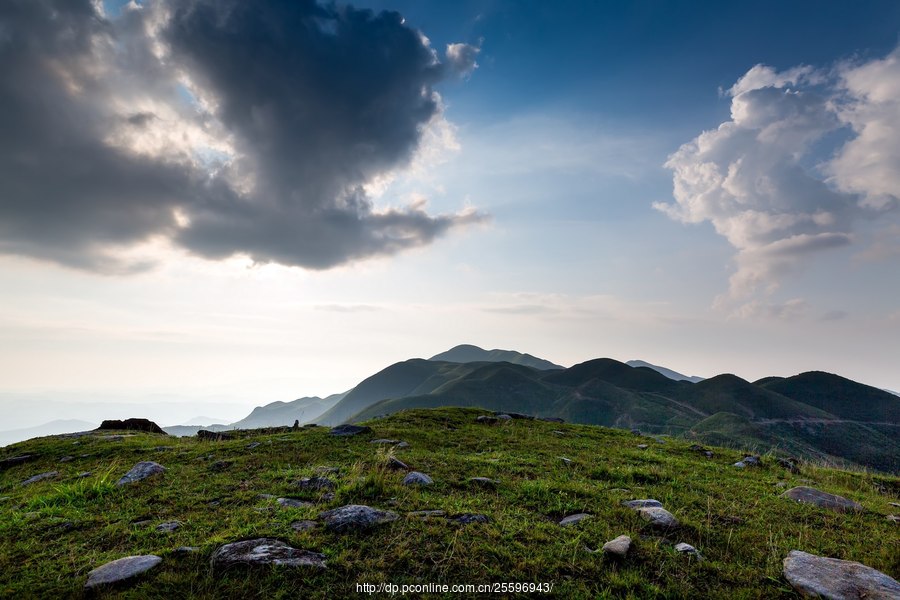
(764, 182)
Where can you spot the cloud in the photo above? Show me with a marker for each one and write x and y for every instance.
(764, 182)
(461, 58)
(223, 127)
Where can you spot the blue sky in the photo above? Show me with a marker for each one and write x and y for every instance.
(708, 186)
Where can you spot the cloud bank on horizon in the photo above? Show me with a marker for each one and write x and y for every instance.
(808, 154)
(220, 126)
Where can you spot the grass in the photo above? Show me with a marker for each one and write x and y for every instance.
(53, 532)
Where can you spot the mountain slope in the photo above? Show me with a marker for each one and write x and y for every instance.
(52, 428)
(664, 371)
(304, 410)
(730, 393)
(467, 353)
(839, 396)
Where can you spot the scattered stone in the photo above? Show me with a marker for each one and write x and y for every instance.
(66, 459)
(395, 464)
(12, 461)
(327, 497)
(354, 517)
(315, 483)
(648, 503)
(185, 549)
(618, 547)
(417, 478)
(253, 445)
(264, 551)
(220, 465)
(808, 495)
(701, 450)
(265, 496)
(294, 503)
(658, 517)
(790, 464)
(514, 415)
(469, 518)
(558, 432)
(781, 484)
(484, 482)
(504, 417)
(169, 526)
(142, 470)
(425, 514)
(818, 576)
(130, 425)
(303, 525)
(661, 440)
(347, 429)
(487, 419)
(895, 504)
(40, 477)
(567, 461)
(642, 446)
(121, 570)
(683, 548)
(893, 518)
(212, 436)
(574, 519)
(327, 470)
(83, 475)
(385, 442)
(748, 461)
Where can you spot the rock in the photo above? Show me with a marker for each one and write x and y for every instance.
(130, 425)
(658, 517)
(504, 417)
(315, 483)
(790, 464)
(142, 470)
(12, 461)
(808, 495)
(66, 459)
(893, 518)
(574, 519)
(895, 504)
(265, 496)
(253, 445)
(819, 577)
(385, 442)
(648, 503)
(683, 548)
(294, 503)
(558, 432)
(347, 429)
(121, 570)
(426, 514)
(40, 477)
(642, 446)
(83, 474)
(212, 436)
(469, 518)
(484, 482)
(417, 478)
(185, 549)
(114, 438)
(327, 470)
(567, 461)
(355, 517)
(660, 440)
(618, 547)
(220, 465)
(264, 551)
(303, 525)
(748, 461)
(395, 464)
(169, 526)
(514, 415)
(487, 419)
(701, 450)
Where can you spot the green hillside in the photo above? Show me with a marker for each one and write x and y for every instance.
(53, 532)
(839, 396)
(729, 393)
(467, 353)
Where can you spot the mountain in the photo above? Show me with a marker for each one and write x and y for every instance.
(467, 353)
(52, 428)
(839, 396)
(663, 370)
(305, 410)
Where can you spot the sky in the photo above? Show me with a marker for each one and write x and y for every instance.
(208, 205)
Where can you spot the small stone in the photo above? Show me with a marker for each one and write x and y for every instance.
(658, 517)
(831, 578)
(748, 461)
(253, 445)
(315, 483)
(617, 547)
(83, 474)
(661, 440)
(486, 419)
(567, 461)
(327, 470)
(220, 465)
(648, 503)
(484, 482)
(808, 495)
(790, 464)
(347, 429)
(303, 525)
(353, 517)
(169, 526)
(265, 496)
(683, 548)
(417, 478)
(140, 471)
(426, 514)
(385, 442)
(642, 446)
(294, 503)
(469, 518)
(40, 477)
(558, 432)
(895, 504)
(893, 518)
(185, 549)
(395, 464)
(574, 519)
(264, 551)
(504, 417)
(515, 415)
(66, 459)
(121, 570)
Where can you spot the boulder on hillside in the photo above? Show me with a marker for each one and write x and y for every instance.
(212, 436)
(142, 470)
(348, 429)
(130, 425)
(263, 552)
(356, 517)
(808, 495)
(820, 577)
(121, 570)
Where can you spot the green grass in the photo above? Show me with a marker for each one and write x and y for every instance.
(53, 532)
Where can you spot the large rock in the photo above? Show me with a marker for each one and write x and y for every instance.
(315, 483)
(574, 519)
(121, 570)
(264, 551)
(618, 547)
(819, 577)
(647, 503)
(131, 425)
(808, 495)
(416, 478)
(142, 470)
(658, 517)
(12, 461)
(347, 429)
(355, 517)
(213, 436)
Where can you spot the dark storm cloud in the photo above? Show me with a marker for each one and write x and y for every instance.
(315, 101)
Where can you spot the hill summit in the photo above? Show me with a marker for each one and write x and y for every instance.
(466, 353)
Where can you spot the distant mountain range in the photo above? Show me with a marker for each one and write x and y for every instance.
(815, 415)
(52, 428)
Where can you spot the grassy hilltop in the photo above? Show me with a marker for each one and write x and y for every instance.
(53, 532)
